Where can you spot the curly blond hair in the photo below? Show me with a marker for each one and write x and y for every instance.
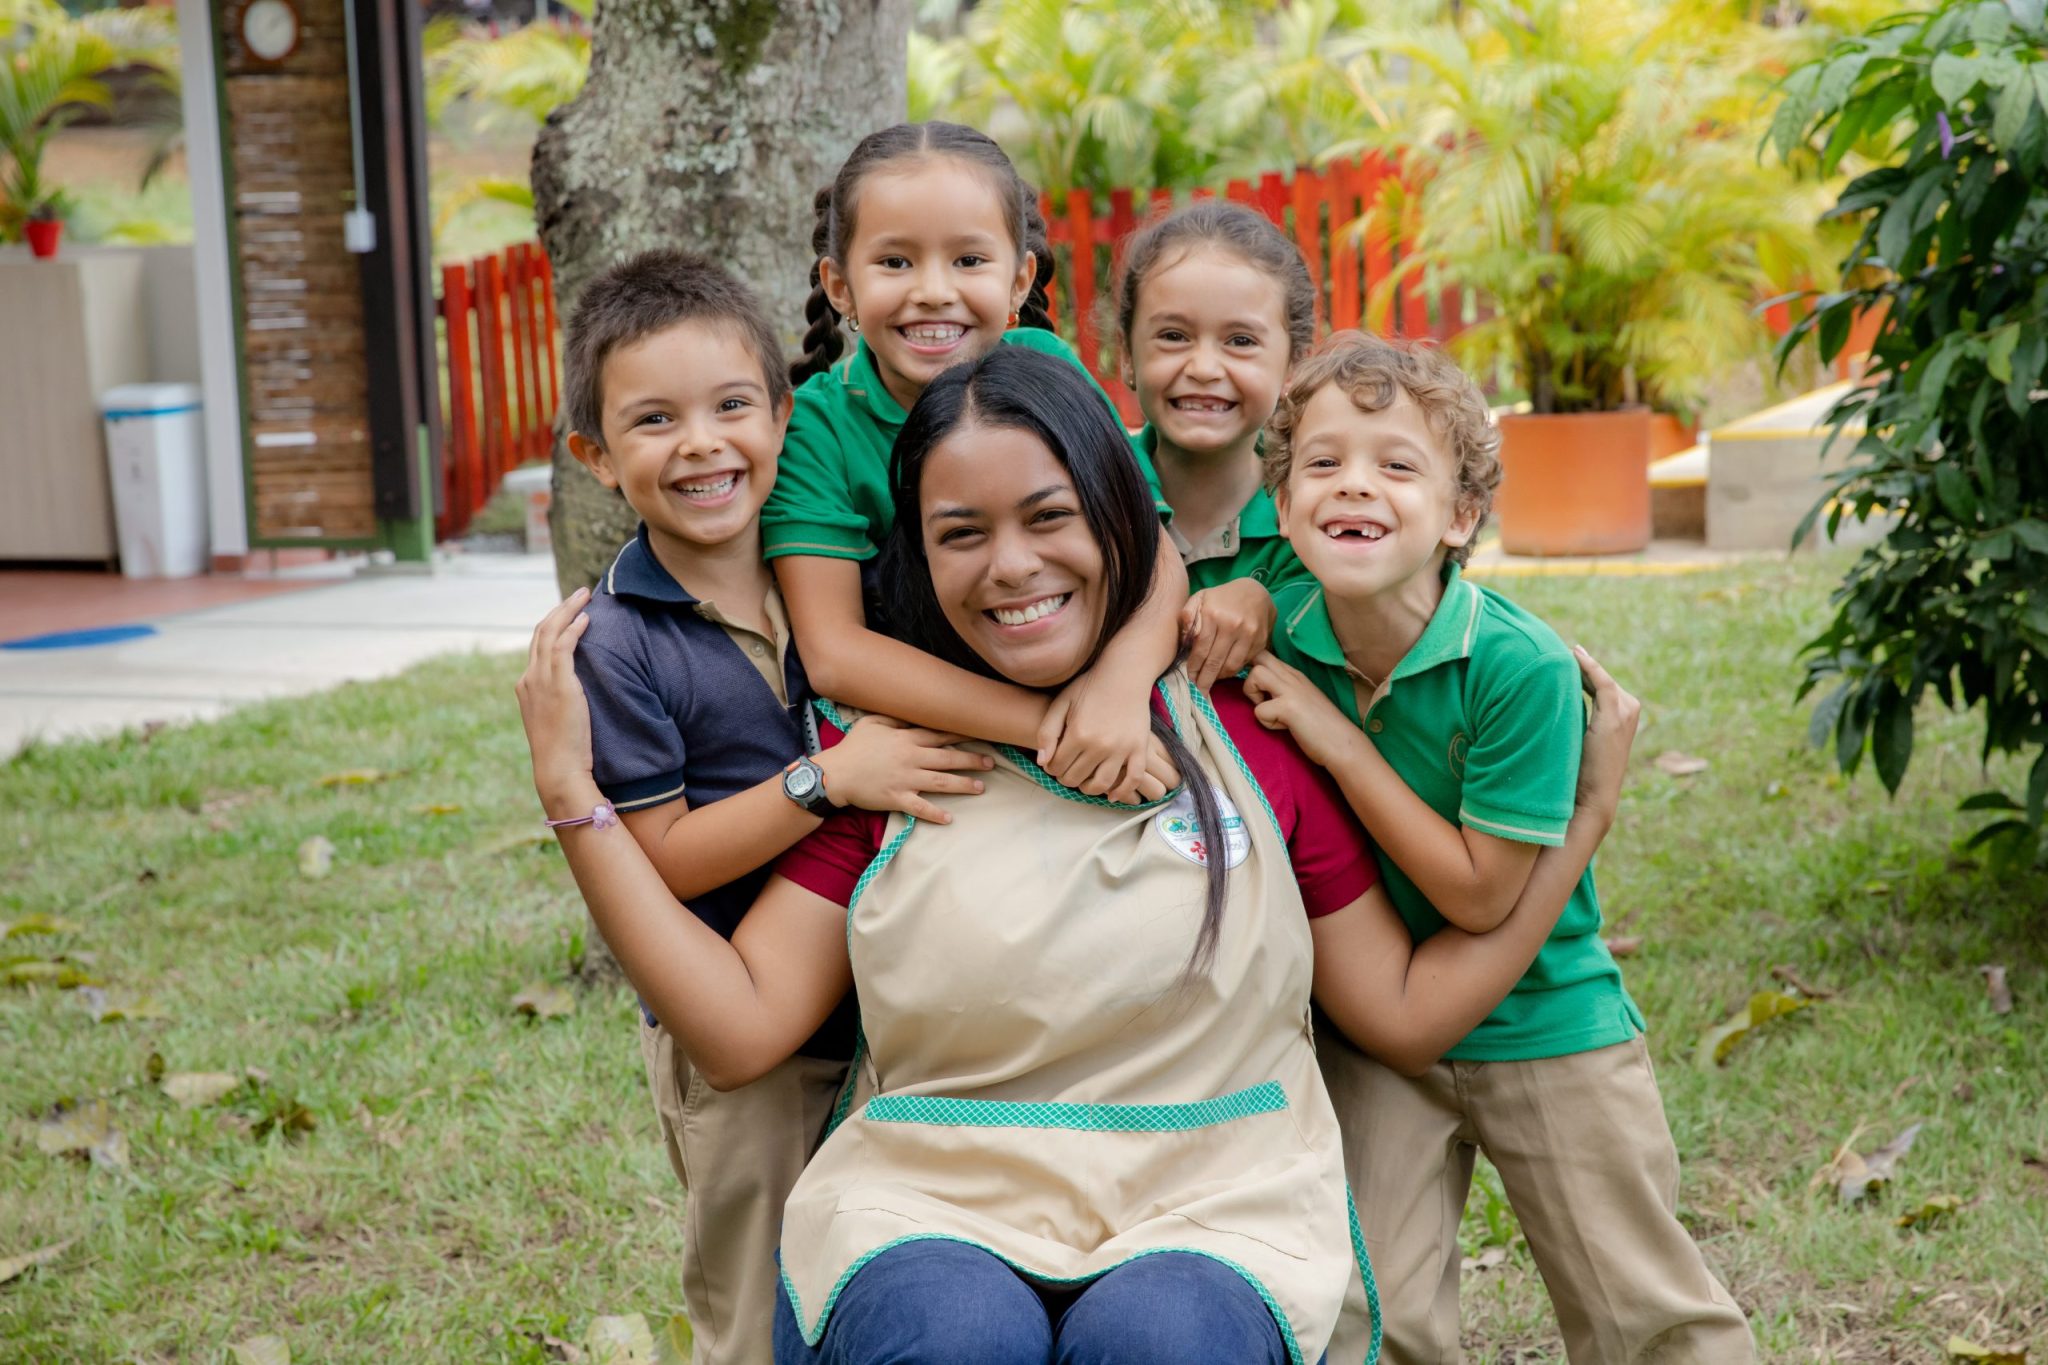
(1374, 372)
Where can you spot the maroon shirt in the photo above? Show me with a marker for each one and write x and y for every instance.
(1333, 860)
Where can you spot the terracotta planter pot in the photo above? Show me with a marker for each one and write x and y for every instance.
(43, 236)
(1575, 484)
(1668, 436)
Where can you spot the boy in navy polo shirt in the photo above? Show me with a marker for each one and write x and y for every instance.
(677, 398)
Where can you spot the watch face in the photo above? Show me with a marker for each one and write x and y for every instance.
(801, 782)
(270, 29)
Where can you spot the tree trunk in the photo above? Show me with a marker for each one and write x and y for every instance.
(707, 125)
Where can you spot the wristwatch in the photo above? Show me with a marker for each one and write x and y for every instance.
(804, 783)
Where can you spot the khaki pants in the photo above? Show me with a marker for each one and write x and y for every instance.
(1587, 1162)
(738, 1154)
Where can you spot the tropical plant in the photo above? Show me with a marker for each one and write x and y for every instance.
(510, 79)
(51, 66)
(1297, 96)
(1581, 170)
(1098, 95)
(502, 80)
(1953, 248)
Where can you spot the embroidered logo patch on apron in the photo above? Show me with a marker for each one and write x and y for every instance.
(1181, 827)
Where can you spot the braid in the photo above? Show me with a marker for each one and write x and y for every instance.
(822, 342)
(1037, 309)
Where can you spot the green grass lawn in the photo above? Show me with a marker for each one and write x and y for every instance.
(475, 1181)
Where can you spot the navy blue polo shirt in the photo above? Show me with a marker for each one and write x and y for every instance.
(678, 710)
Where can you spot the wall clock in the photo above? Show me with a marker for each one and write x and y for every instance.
(270, 29)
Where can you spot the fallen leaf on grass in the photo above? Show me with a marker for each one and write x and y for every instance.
(622, 1340)
(60, 971)
(1959, 1349)
(39, 924)
(1995, 987)
(673, 1345)
(1490, 1259)
(438, 808)
(85, 1131)
(282, 1114)
(14, 1267)
(1854, 1175)
(1625, 945)
(192, 1089)
(1790, 976)
(1717, 1042)
(361, 777)
(261, 1351)
(115, 1007)
(554, 1348)
(1932, 1209)
(544, 1000)
(1680, 765)
(316, 857)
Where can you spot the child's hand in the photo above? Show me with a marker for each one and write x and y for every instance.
(551, 701)
(1284, 699)
(884, 764)
(1224, 626)
(1610, 733)
(1098, 740)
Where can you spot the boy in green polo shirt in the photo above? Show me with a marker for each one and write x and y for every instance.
(1452, 719)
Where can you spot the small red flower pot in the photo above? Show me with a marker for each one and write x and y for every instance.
(43, 236)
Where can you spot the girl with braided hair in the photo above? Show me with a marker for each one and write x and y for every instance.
(931, 252)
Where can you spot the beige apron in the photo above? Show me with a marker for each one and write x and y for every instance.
(1046, 1083)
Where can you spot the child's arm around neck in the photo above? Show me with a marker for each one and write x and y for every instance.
(1472, 879)
(848, 662)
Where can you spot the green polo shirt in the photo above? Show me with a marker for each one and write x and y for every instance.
(831, 494)
(1249, 545)
(1484, 720)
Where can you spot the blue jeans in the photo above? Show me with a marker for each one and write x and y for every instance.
(945, 1303)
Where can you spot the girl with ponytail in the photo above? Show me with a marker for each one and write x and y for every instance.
(931, 252)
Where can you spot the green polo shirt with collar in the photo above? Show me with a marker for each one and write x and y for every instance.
(831, 494)
(1249, 545)
(1484, 719)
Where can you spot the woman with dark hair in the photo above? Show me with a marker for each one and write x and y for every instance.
(1095, 1128)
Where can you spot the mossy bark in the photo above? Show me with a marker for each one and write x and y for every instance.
(707, 125)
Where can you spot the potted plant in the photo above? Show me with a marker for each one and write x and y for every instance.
(44, 227)
(1590, 171)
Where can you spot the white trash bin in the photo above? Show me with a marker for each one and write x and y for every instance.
(156, 463)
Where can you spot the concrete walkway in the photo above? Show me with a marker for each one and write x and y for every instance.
(199, 664)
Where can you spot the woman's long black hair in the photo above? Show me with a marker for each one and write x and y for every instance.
(1019, 389)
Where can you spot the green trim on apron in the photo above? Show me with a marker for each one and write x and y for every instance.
(874, 869)
(1208, 711)
(1266, 1098)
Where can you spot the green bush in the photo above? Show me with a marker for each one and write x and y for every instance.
(1954, 248)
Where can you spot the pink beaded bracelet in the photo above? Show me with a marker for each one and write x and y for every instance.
(601, 816)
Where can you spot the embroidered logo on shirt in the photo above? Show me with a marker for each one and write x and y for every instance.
(1181, 827)
(1459, 743)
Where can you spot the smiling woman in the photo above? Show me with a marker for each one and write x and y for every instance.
(1094, 1128)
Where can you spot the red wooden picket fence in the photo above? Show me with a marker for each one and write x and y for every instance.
(502, 375)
